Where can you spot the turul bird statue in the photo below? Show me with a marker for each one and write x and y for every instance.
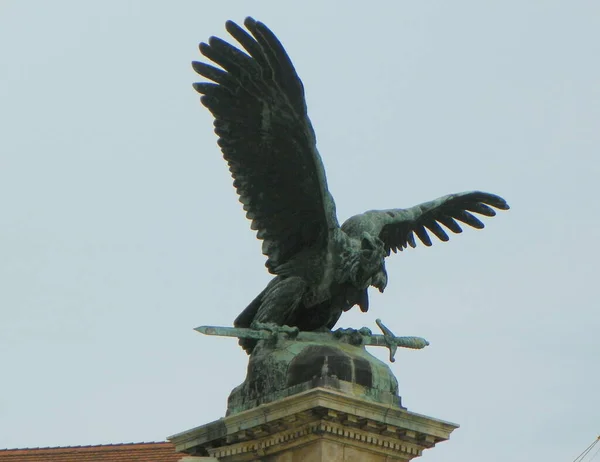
(321, 269)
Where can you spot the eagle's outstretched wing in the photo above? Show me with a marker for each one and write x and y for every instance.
(265, 135)
(397, 227)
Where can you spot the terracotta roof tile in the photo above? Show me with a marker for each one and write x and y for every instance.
(131, 452)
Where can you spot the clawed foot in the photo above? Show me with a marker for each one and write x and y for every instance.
(292, 331)
(351, 336)
(270, 326)
(364, 331)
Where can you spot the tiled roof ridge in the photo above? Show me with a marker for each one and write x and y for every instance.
(93, 446)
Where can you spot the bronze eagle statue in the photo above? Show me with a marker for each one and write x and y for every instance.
(321, 269)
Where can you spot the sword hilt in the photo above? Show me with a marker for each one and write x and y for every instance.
(390, 339)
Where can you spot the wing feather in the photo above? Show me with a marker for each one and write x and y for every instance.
(436, 229)
(422, 235)
(450, 223)
(468, 219)
(397, 227)
(410, 239)
(266, 138)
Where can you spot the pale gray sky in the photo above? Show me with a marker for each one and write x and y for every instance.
(120, 230)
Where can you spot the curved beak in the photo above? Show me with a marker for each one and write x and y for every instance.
(380, 280)
(363, 301)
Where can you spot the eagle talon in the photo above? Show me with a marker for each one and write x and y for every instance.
(275, 329)
(268, 326)
(291, 331)
(365, 331)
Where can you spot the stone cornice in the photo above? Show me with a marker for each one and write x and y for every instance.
(385, 442)
(318, 412)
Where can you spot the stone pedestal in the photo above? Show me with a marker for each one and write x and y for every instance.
(320, 424)
(282, 367)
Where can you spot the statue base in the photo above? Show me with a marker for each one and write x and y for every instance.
(317, 425)
(283, 367)
(312, 397)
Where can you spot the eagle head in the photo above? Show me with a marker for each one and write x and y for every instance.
(371, 268)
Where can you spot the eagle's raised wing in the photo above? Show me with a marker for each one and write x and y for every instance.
(265, 135)
(397, 227)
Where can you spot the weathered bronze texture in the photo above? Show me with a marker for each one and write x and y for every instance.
(360, 337)
(321, 269)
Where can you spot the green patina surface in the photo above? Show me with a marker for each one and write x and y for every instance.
(281, 367)
(362, 336)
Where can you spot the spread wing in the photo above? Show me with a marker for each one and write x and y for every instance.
(265, 135)
(397, 227)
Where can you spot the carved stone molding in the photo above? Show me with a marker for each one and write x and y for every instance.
(317, 420)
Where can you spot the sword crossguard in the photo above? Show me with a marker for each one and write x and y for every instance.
(389, 338)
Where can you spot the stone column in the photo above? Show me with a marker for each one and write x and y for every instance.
(319, 424)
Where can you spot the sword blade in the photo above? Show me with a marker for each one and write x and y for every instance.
(415, 343)
(239, 332)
